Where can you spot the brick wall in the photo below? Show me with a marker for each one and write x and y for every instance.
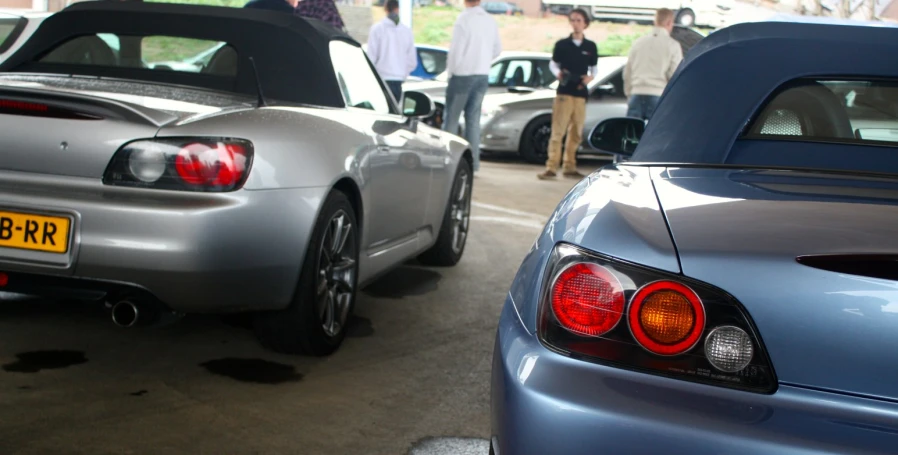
(24, 4)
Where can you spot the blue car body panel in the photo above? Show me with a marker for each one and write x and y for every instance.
(614, 211)
(546, 403)
(742, 231)
(736, 214)
(419, 70)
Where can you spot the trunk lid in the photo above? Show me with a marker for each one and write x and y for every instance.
(72, 126)
(829, 322)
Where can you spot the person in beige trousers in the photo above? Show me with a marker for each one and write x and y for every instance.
(574, 61)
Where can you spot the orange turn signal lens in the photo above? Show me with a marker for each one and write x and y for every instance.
(666, 317)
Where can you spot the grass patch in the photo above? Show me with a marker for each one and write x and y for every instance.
(430, 25)
(618, 44)
(164, 48)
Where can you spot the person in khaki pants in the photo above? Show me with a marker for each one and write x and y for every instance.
(574, 61)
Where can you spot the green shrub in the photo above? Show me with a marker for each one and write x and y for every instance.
(618, 44)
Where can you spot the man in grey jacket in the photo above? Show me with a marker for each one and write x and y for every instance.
(652, 61)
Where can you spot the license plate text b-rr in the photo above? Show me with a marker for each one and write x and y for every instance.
(34, 232)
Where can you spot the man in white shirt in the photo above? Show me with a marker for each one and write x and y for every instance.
(391, 48)
(652, 61)
(475, 44)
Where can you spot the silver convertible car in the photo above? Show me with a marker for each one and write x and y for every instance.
(277, 180)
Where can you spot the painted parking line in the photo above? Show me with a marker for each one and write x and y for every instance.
(497, 208)
(508, 220)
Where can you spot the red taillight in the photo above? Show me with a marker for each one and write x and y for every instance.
(4, 279)
(184, 164)
(666, 317)
(35, 109)
(23, 106)
(216, 165)
(588, 299)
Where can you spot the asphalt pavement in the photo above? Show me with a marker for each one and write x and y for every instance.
(412, 378)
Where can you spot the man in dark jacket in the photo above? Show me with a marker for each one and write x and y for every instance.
(323, 10)
(574, 63)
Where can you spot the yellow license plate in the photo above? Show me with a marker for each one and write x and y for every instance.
(34, 232)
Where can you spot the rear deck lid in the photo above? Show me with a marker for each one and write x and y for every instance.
(813, 258)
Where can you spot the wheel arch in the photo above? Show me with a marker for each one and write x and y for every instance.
(349, 187)
(523, 140)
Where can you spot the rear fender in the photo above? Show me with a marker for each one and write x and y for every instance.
(613, 211)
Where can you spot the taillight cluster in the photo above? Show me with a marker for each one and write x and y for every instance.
(607, 311)
(187, 164)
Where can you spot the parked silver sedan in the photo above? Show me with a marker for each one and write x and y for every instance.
(251, 185)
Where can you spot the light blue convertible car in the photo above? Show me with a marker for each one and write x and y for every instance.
(732, 288)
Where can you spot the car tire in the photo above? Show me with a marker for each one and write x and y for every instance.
(453, 236)
(534, 147)
(686, 18)
(315, 322)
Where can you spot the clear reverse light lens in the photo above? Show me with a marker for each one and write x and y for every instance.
(147, 164)
(729, 349)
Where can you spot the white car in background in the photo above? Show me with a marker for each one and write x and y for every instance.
(511, 71)
(711, 13)
(16, 26)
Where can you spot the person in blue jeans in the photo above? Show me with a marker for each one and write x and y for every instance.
(642, 106)
(475, 44)
(651, 63)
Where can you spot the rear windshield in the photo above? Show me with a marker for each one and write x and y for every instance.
(161, 53)
(863, 112)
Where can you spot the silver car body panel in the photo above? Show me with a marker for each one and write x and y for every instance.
(503, 133)
(220, 252)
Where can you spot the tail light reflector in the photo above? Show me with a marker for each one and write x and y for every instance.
(587, 299)
(666, 317)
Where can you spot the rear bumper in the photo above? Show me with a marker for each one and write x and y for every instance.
(543, 402)
(195, 252)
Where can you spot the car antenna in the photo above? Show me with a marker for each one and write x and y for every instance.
(262, 103)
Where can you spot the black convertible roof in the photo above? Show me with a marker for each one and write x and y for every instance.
(290, 52)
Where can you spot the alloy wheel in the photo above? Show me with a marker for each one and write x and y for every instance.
(337, 267)
(541, 138)
(461, 211)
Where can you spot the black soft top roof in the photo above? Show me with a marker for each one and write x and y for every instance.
(290, 52)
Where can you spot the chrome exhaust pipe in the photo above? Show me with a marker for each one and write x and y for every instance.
(125, 313)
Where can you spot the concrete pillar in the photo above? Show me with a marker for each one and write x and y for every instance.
(405, 12)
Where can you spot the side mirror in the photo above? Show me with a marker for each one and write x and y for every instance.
(417, 104)
(607, 89)
(619, 136)
(520, 89)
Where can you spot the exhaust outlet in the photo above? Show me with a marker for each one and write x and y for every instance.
(125, 313)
